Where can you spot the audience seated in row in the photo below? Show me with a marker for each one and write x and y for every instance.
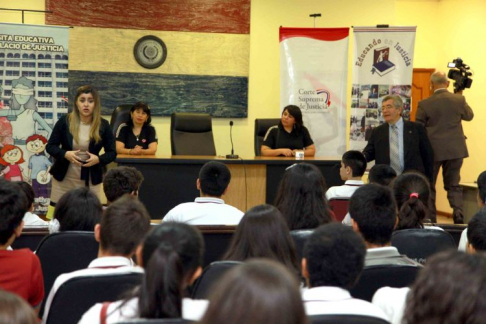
(30, 219)
(209, 209)
(263, 233)
(301, 197)
(77, 210)
(120, 181)
(333, 261)
(20, 270)
(259, 291)
(353, 166)
(122, 228)
(15, 310)
(172, 257)
(450, 289)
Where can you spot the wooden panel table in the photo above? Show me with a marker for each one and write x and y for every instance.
(171, 180)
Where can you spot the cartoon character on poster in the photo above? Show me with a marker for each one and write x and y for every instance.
(11, 157)
(39, 166)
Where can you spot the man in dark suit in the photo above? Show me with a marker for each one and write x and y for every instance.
(403, 145)
(441, 114)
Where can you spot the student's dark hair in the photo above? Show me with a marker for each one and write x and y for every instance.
(295, 112)
(476, 230)
(121, 180)
(171, 254)
(382, 174)
(28, 191)
(356, 161)
(258, 292)
(262, 233)
(145, 108)
(15, 310)
(373, 208)
(450, 289)
(13, 206)
(335, 256)
(412, 193)
(301, 197)
(123, 226)
(78, 210)
(482, 187)
(214, 178)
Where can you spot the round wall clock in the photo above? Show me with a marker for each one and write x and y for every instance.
(150, 52)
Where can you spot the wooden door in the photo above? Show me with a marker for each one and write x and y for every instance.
(420, 88)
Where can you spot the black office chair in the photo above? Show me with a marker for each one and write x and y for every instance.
(261, 127)
(157, 321)
(120, 115)
(65, 252)
(345, 319)
(30, 238)
(300, 238)
(375, 277)
(77, 295)
(454, 229)
(420, 243)
(211, 274)
(191, 134)
(216, 241)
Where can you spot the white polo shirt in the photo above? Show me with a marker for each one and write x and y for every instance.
(392, 301)
(345, 191)
(205, 211)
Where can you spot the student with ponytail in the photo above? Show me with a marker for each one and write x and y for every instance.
(172, 257)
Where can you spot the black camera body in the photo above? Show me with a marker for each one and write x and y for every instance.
(460, 74)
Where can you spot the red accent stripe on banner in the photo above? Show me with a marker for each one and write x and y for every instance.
(325, 34)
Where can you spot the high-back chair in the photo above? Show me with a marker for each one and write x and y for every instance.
(191, 134)
(300, 238)
(216, 240)
(75, 296)
(211, 274)
(420, 243)
(30, 238)
(339, 206)
(345, 319)
(119, 116)
(261, 127)
(65, 252)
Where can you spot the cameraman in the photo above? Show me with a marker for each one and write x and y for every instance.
(441, 114)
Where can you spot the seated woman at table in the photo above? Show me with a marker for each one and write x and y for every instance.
(289, 136)
(137, 136)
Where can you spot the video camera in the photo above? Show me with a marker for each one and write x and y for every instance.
(460, 74)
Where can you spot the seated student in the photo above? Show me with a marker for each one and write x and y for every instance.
(137, 136)
(30, 219)
(122, 228)
(450, 289)
(15, 310)
(209, 209)
(301, 197)
(412, 192)
(121, 180)
(374, 214)
(333, 260)
(382, 174)
(476, 232)
(259, 291)
(289, 136)
(481, 203)
(77, 210)
(262, 233)
(20, 270)
(172, 257)
(353, 166)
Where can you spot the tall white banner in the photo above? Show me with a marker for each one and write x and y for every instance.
(313, 76)
(382, 65)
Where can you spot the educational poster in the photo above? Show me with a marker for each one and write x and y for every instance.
(313, 76)
(382, 65)
(33, 95)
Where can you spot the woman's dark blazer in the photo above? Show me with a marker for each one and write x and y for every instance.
(61, 141)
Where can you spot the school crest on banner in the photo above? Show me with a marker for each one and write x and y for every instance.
(34, 92)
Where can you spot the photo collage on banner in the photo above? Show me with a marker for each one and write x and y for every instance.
(33, 95)
(382, 65)
(313, 76)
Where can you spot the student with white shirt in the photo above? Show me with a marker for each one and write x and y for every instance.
(353, 166)
(30, 219)
(122, 228)
(209, 209)
(333, 261)
(172, 257)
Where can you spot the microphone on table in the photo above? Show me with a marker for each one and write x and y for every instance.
(232, 155)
